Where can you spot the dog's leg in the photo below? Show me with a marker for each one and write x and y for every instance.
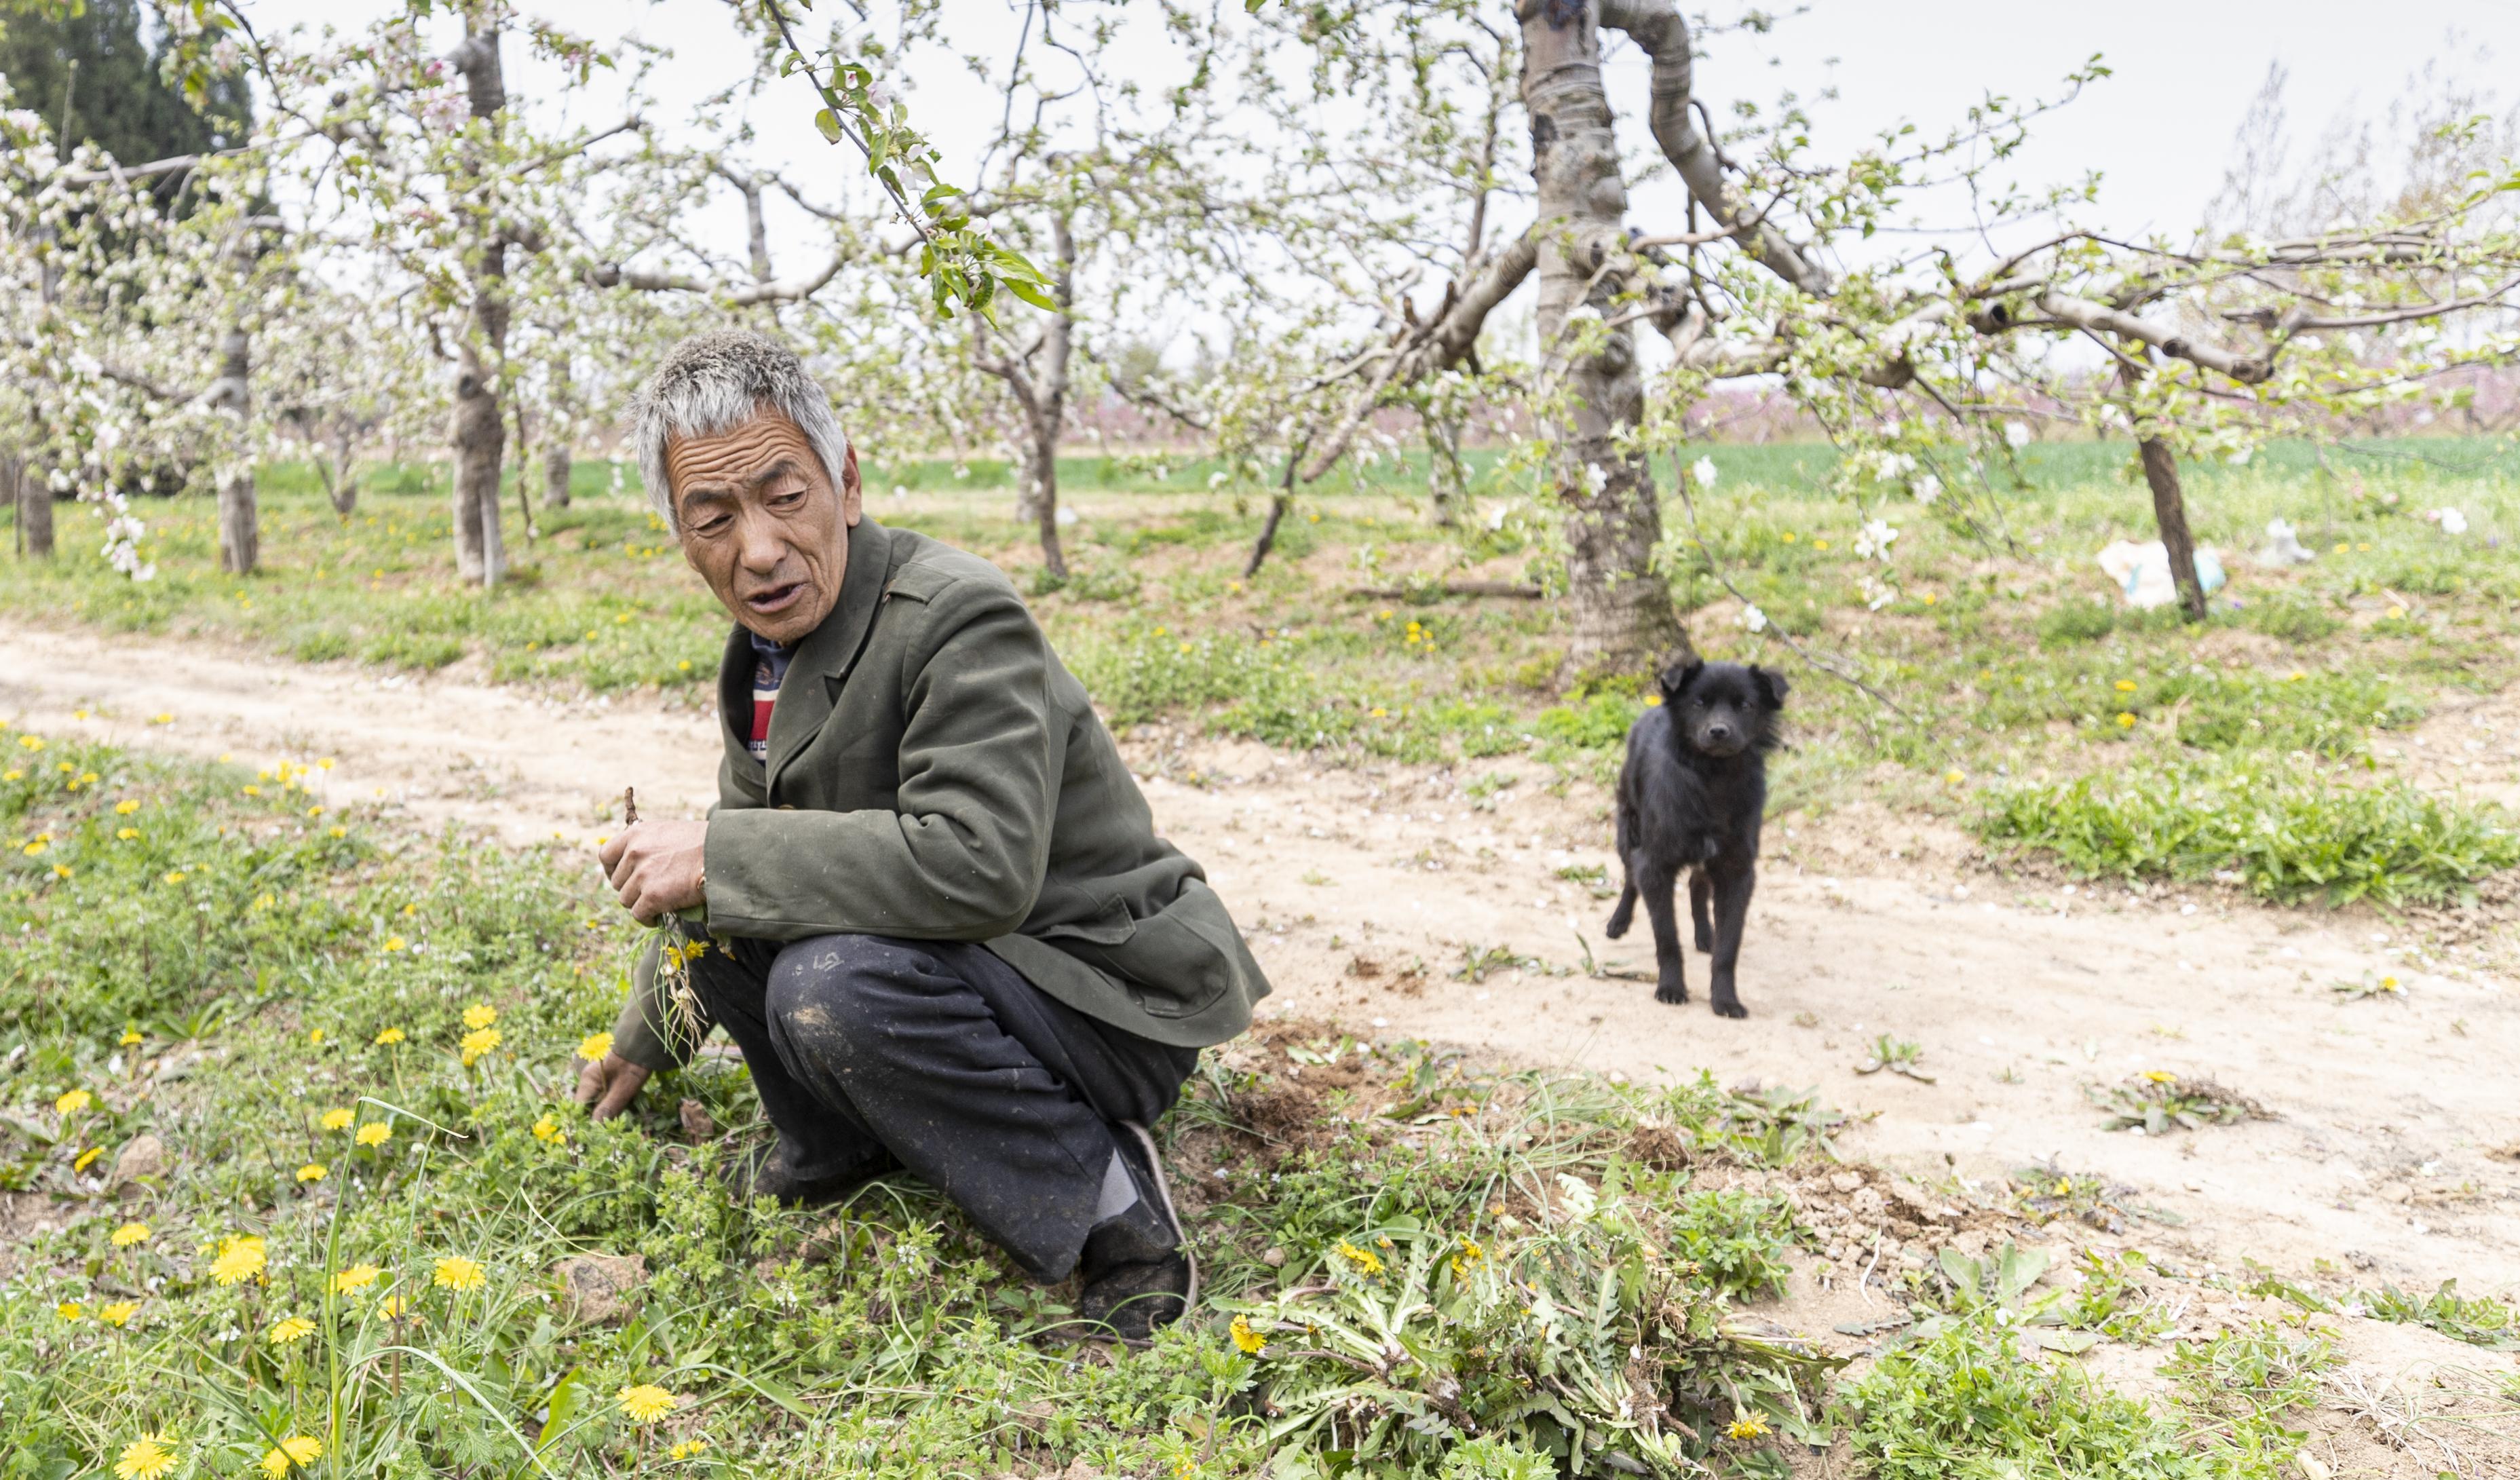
(1731, 889)
(1655, 886)
(1624, 913)
(1697, 909)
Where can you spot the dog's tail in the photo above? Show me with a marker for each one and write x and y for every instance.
(1624, 913)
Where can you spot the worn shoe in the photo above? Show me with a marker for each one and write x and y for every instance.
(1138, 1271)
(769, 1171)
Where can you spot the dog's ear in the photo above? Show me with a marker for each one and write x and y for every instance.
(1676, 678)
(1772, 685)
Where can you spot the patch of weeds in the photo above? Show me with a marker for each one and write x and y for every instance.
(2048, 1193)
(424, 650)
(1484, 791)
(1899, 1055)
(2244, 1383)
(2290, 618)
(1408, 1339)
(2370, 985)
(2289, 830)
(2114, 1300)
(2477, 1320)
(2071, 622)
(2156, 1100)
(1969, 1401)
(1477, 961)
(1738, 1239)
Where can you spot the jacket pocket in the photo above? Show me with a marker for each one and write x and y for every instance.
(1111, 927)
(1184, 959)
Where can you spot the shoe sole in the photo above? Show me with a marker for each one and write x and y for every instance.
(1164, 1190)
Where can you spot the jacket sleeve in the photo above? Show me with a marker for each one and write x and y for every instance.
(963, 853)
(646, 1033)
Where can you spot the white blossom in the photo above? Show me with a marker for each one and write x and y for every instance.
(2452, 520)
(1702, 473)
(1873, 541)
(1754, 619)
(1927, 488)
(2016, 434)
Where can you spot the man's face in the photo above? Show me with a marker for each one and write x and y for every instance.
(762, 524)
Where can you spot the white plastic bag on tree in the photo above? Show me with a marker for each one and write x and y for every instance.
(2142, 572)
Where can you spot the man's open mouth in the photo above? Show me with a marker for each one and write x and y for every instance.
(775, 598)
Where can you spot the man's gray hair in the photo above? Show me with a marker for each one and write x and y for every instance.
(715, 381)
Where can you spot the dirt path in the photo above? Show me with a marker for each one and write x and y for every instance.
(2396, 1119)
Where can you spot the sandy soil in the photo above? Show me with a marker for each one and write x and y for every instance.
(2395, 1124)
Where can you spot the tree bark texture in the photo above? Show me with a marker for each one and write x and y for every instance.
(2170, 513)
(1620, 608)
(1037, 379)
(556, 442)
(478, 431)
(34, 511)
(343, 485)
(240, 522)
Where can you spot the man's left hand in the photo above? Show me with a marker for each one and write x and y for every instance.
(656, 867)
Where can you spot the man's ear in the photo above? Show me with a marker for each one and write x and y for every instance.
(852, 489)
(1773, 685)
(1676, 678)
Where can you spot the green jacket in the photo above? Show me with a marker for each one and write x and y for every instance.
(934, 774)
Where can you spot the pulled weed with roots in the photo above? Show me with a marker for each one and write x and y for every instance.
(2156, 1101)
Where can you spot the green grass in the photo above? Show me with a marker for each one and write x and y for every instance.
(2005, 647)
(2285, 830)
(251, 961)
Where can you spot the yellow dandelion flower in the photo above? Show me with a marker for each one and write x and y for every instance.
(291, 1331)
(547, 1129)
(392, 1307)
(355, 1279)
(69, 1310)
(2125, 720)
(126, 834)
(11, 774)
(299, 1450)
(2126, 686)
(1747, 1426)
(312, 1171)
(478, 1042)
(129, 1037)
(1366, 1260)
(2159, 1076)
(1381, 713)
(240, 1258)
(388, 1038)
(338, 1120)
(2388, 984)
(145, 1457)
(395, 942)
(130, 1234)
(31, 741)
(1248, 1339)
(119, 1314)
(253, 790)
(73, 1101)
(87, 1158)
(594, 1045)
(457, 1273)
(645, 1403)
(374, 1133)
(341, 832)
(688, 1449)
(176, 876)
(480, 1016)
(125, 807)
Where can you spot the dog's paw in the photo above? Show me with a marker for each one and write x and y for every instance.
(1730, 1007)
(1672, 990)
(1617, 928)
(1706, 942)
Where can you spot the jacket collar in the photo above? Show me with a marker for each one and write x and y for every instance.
(824, 658)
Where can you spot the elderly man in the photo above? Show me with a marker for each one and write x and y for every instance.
(948, 937)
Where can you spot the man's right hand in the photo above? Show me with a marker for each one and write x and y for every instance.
(608, 1085)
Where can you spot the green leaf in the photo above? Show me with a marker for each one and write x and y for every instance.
(1031, 294)
(567, 1396)
(829, 123)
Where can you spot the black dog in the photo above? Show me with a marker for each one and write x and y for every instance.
(1690, 796)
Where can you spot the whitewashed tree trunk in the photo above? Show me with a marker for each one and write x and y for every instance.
(240, 522)
(478, 431)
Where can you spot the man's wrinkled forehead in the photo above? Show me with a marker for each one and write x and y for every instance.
(745, 457)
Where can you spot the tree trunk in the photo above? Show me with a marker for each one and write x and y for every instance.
(343, 489)
(1041, 484)
(479, 435)
(555, 468)
(36, 511)
(1049, 415)
(1621, 609)
(1446, 479)
(480, 429)
(1278, 503)
(240, 526)
(2170, 512)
